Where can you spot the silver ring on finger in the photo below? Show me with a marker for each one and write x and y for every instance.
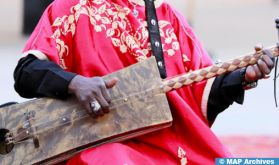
(95, 106)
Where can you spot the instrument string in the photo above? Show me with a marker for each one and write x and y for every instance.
(80, 114)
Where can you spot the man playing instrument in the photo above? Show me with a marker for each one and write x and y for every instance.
(77, 42)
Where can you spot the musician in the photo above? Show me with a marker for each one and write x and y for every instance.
(78, 41)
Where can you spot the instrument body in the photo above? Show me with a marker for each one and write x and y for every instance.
(59, 129)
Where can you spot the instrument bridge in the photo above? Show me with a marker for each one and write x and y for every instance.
(25, 132)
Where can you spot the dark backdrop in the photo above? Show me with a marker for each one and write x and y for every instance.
(33, 10)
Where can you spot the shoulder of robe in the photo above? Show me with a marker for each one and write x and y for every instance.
(60, 8)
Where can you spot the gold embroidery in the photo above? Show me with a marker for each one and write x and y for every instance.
(65, 25)
(112, 18)
(169, 38)
(182, 156)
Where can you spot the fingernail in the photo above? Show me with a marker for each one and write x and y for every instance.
(266, 77)
(258, 48)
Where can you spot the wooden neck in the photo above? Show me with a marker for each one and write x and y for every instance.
(215, 70)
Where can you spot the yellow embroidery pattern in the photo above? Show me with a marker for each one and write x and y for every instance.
(169, 38)
(182, 156)
(112, 18)
(65, 25)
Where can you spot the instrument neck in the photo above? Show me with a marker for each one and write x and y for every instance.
(214, 70)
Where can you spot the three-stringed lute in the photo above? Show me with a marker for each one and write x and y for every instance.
(47, 131)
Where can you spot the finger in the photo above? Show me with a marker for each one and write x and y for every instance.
(105, 93)
(268, 52)
(250, 74)
(269, 58)
(89, 110)
(269, 61)
(98, 111)
(111, 83)
(264, 69)
(258, 72)
(103, 102)
(85, 102)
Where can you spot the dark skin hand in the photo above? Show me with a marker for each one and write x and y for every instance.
(92, 89)
(262, 68)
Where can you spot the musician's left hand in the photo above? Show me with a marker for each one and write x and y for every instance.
(263, 67)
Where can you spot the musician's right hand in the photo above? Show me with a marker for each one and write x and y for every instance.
(92, 93)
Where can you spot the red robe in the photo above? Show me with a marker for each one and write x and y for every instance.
(97, 37)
